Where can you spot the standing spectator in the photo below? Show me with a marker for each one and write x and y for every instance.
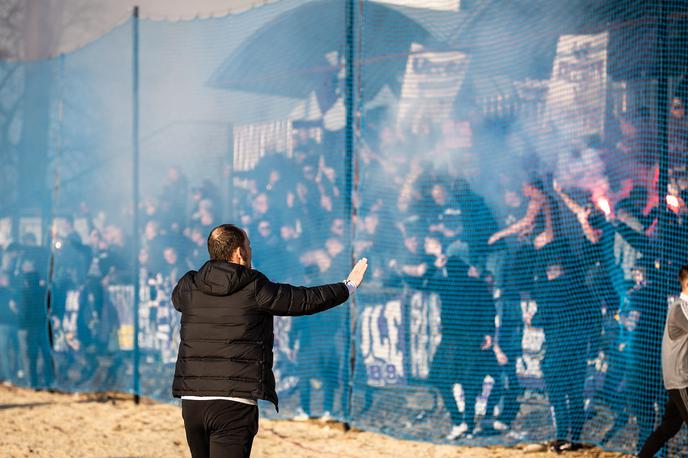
(8, 330)
(629, 240)
(477, 222)
(466, 349)
(539, 220)
(375, 234)
(678, 125)
(153, 244)
(72, 257)
(560, 298)
(509, 342)
(92, 314)
(172, 212)
(674, 355)
(435, 208)
(11, 262)
(172, 268)
(197, 253)
(535, 230)
(205, 216)
(33, 316)
(322, 366)
(414, 265)
(640, 321)
(636, 146)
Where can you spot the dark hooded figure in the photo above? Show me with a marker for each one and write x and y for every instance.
(569, 315)
(465, 352)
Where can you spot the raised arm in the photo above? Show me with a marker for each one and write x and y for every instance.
(570, 203)
(287, 300)
(581, 213)
(534, 207)
(406, 193)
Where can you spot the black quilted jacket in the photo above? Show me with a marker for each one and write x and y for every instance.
(226, 328)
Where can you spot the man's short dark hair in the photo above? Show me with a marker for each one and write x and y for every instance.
(683, 274)
(224, 240)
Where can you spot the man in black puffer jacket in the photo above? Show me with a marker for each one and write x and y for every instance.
(225, 356)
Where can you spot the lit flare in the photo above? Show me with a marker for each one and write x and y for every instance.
(604, 205)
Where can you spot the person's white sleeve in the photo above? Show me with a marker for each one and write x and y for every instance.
(678, 321)
(350, 286)
(683, 315)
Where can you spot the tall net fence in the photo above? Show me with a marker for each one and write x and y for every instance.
(515, 174)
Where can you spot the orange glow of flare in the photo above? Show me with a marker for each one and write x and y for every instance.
(673, 202)
(603, 204)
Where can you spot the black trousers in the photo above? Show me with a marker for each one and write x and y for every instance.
(472, 386)
(219, 428)
(675, 413)
(564, 370)
(454, 364)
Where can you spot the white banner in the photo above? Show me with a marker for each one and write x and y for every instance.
(578, 87)
(425, 331)
(253, 141)
(431, 83)
(121, 299)
(159, 322)
(381, 343)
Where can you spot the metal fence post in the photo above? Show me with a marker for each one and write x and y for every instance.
(135, 197)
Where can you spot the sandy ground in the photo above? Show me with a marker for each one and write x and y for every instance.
(41, 424)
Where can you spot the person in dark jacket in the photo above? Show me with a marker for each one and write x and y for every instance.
(466, 350)
(562, 299)
(225, 355)
(34, 327)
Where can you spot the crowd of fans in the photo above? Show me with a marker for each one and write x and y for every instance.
(590, 241)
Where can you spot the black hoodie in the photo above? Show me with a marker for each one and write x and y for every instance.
(226, 328)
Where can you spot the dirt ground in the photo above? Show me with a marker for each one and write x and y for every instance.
(42, 424)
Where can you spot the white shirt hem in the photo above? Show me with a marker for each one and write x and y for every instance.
(251, 402)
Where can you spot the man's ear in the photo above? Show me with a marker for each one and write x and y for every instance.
(242, 256)
(237, 256)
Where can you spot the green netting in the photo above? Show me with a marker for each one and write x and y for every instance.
(515, 172)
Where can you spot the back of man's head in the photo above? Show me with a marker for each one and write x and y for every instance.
(683, 276)
(224, 240)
